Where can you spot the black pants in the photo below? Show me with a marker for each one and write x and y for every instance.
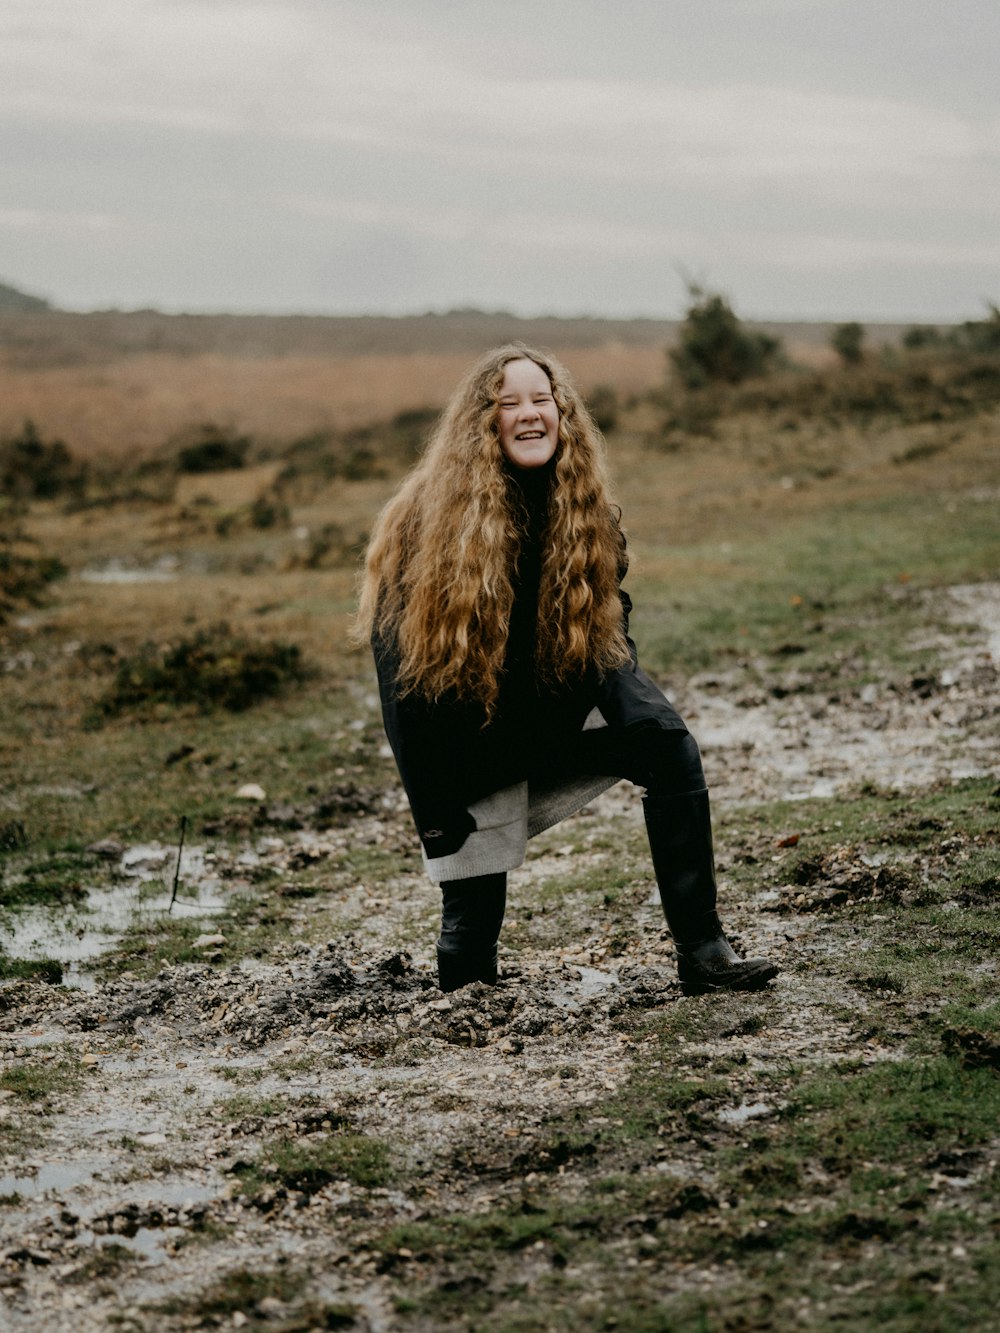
(666, 763)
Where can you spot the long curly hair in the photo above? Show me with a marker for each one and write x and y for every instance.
(438, 579)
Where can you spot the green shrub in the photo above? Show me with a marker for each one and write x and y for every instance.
(49, 970)
(847, 340)
(603, 405)
(24, 578)
(922, 335)
(213, 450)
(715, 347)
(31, 468)
(212, 670)
(980, 335)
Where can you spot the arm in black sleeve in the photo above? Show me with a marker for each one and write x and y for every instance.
(421, 736)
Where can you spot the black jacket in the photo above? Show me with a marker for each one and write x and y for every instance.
(447, 759)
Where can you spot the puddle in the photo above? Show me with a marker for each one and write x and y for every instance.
(147, 1241)
(739, 1115)
(76, 934)
(57, 1176)
(979, 603)
(121, 571)
(570, 992)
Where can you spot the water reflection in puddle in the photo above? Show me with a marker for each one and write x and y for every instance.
(74, 935)
(58, 1176)
(147, 1241)
(739, 1115)
(119, 571)
(581, 984)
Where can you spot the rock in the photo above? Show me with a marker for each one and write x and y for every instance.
(209, 942)
(251, 791)
(108, 848)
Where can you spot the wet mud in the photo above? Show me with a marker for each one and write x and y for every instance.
(154, 1160)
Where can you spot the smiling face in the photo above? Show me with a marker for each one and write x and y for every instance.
(529, 418)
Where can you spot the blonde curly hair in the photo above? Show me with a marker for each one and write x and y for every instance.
(438, 571)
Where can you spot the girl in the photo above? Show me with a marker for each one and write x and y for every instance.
(511, 692)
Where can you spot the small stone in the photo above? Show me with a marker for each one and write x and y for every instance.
(107, 847)
(208, 941)
(440, 1005)
(251, 791)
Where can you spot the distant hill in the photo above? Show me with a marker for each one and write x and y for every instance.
(67, 337)
(13, 302)
(39, 335)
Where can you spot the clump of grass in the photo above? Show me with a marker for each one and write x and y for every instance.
(147, 944)
(52, 881)
(309, 1166)
(212, 670)
(238, 1292)
(869, 1126)
(36, 1082)
(31, 969)
(246, 1106)
(249, 925)
(106, 1261)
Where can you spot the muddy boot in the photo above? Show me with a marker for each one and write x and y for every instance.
(456, 970)
(680, 840)
(472, 912)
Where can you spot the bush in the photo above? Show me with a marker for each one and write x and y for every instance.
(603, 407)
(24, 579)
(716, 347)
(214, 450)
(847, 340)
(30, 468)
(980, 335)
(213, 670)
(920, 336)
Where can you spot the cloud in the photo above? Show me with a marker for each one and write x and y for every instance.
(315, 72)
(309, 124)
(67, 222)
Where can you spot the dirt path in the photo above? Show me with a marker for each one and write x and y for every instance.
(155, 1169)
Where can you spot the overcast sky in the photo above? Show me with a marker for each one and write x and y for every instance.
(811, 158)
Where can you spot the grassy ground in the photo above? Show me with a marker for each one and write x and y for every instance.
(544, 1156)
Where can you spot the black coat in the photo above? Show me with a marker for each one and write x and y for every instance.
(448, 760)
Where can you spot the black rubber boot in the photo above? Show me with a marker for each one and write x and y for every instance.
(680, 840)
(456, 970)
(472, 912)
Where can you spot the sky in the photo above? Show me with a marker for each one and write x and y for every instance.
(811, 159)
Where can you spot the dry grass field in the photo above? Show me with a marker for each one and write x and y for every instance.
(118, 385)
(251, 1108)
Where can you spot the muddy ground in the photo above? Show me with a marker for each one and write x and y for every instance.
(155, 1175)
